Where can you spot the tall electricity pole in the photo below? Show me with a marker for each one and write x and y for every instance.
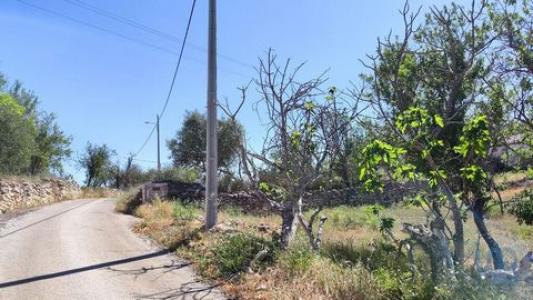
(211, 178)
(158, 141)
(158, 146)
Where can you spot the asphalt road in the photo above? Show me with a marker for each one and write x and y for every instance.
(82, 249)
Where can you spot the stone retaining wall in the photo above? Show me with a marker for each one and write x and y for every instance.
(250, 201)
(23, 193)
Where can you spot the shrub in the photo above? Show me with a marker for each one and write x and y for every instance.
(185, 212)
(522, 207)
(230, 184)
(155, 211)
(468, 287)
(235, 253)
(183, 174)
(373, 257)
(128, 201)
(297, 259)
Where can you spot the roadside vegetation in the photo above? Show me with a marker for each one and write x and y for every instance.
(356, 260)
(439, 126)
(32, 142)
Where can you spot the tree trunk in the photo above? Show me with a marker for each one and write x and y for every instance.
(434, 243)
(495, 250)
(458, 236)
(289, 224)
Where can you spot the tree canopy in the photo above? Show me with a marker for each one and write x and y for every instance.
(188, 146)
(17, 137)
(45, 143)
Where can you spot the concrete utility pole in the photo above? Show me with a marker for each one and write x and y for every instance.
(158, 141)
(212, 123)
(158, 146)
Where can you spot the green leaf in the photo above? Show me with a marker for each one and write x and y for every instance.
(439, 121)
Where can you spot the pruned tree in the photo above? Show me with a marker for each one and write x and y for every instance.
(301, 140)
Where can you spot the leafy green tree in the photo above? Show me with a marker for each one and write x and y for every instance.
(188, 147)
(431, 88)
(128, 176)
(51, 143)
(511, 83)
(52, 147)
(17, 137)
(98, 165)
(416, 126)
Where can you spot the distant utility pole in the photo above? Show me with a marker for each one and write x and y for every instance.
(212, 124)
(158, 142)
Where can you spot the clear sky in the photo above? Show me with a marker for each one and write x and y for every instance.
(103, 86)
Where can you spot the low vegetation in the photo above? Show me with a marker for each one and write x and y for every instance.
(355, 262)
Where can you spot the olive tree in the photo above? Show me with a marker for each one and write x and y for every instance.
(98, 164)
(188, 147)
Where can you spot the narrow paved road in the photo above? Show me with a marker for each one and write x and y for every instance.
(82, 249)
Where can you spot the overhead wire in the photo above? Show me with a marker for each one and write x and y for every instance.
(146, 28)
(123, 36)
(176, 70)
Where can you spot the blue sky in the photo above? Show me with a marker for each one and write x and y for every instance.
(103, 87)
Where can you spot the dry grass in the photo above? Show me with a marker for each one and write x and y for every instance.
(159, 222)
(128, 201)
(92, 193)
(510, 177)
(354, 263)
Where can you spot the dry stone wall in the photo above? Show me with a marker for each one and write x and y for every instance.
(23, 193)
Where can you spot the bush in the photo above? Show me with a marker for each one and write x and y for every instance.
(522, 207)
(182, 174)
(185, 212)
(128, 201)
(374, 257)
(229, 184)
(297, 259)
(235, 253)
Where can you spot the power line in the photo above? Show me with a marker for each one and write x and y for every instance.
(179, 60)
(171, 88)
(55, 13)
(145, 142)
(117, 34)
(123, 36)
(122, 19)
(146, 28)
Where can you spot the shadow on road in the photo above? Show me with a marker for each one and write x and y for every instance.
(174, 265)
(82, 269)
(197, 289)
(43, 220)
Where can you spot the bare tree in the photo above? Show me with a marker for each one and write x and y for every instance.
(304, 128)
